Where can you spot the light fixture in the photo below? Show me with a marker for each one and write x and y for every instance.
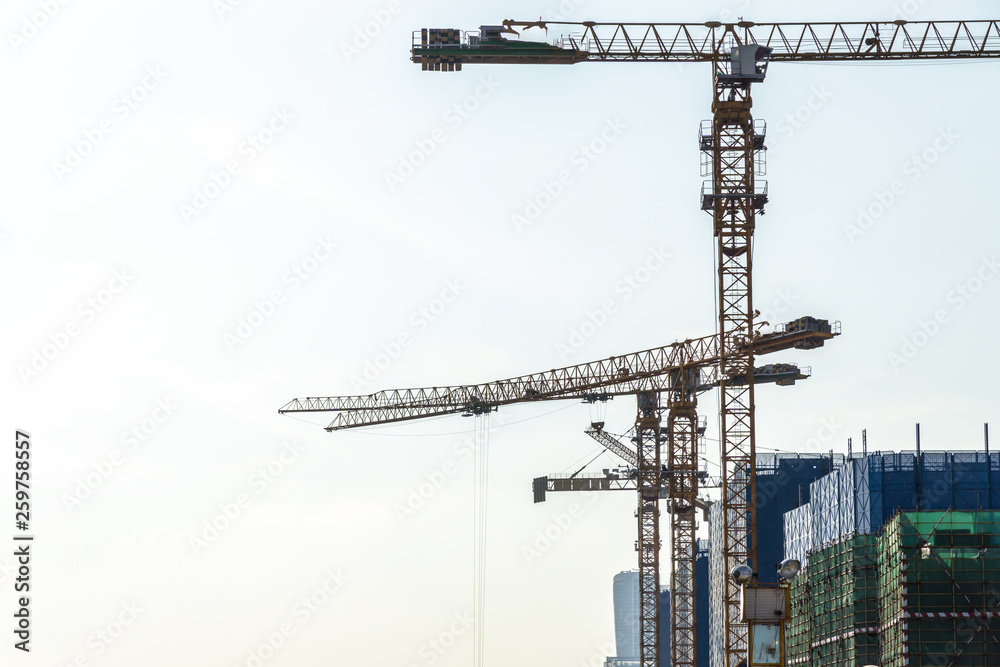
(741, 574)
(789, 568)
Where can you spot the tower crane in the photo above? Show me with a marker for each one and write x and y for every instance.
(733, 146)
(679, 371)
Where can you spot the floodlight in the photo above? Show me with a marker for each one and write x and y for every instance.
(789, 569)
(741, 574)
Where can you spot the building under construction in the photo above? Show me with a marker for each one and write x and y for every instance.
(863, 493)
(902, 563)
(925, 591)
(857, 523)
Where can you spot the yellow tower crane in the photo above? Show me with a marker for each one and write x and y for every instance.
(733, 145)
(678, 371)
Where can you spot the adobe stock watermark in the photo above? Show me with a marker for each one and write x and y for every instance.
(121, 108)
(624, 289)
(364, 35)
(230, 511)
(564, 10)
(225, 7)
(87, 311)
(554, 187)
(32, 24)
(7, 570)
(101, 641)
(293, 278)
(559, 525)
(420, 320)
(768, 486)
(907, 8)
(732, 15)
(417, 497)
(601, 652)
(828, 429)
(957, 299)
(88, 484)
(434, 648)
(793, 121)
(302, 611)
(913, 170)
(454, 117)
(248, 150)
(775, 312)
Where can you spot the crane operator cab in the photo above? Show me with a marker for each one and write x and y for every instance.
(749, 64)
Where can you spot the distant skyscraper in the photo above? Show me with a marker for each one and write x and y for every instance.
(665, 654)
(626, 598)
(701, 601)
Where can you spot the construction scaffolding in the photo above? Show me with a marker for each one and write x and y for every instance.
(939, 585)
(926, 592)
(834, 618)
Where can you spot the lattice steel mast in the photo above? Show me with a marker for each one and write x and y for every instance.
(733, 202)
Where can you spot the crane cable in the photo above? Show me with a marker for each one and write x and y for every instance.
(481, 465)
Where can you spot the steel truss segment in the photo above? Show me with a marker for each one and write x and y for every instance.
(614, 445)
(617, 376)
(635, 370)
(697, 42)
(682, 435)
(590, 482)
(648, 434)
(630, 374)
(734, 218)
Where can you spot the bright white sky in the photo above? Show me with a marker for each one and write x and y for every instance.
(135, 300)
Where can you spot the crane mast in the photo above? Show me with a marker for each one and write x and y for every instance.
(648, 470)
(734, 201)
(682, 496)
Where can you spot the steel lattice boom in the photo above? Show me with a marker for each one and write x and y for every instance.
(707, 42)
(628, 374)
(613, 444)
(634, 373)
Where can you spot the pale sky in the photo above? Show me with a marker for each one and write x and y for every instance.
(213, 207)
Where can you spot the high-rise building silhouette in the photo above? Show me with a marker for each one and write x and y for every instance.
(626, 598)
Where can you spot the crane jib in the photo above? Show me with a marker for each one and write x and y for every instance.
(690, 366)
(449, 49)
